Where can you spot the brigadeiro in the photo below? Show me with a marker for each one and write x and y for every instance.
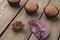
(17, 25)
(39, 28)
(31, 8)
(51, 11)
(14, 3)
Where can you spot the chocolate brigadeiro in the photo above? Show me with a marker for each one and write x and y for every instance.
(17, 25)
(14, 3)
(51, 11)
(31, 8)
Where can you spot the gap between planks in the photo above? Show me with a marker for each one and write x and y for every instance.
(24, 34)
(53, 24)
(13, 16)
(32, 37)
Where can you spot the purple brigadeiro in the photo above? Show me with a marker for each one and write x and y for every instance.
(39, 29)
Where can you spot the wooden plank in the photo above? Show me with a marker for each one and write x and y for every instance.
(22, 35)
(41, 5)
(53, 24)
(54, 31)
(1, 1)
(33, 37)
(7, 13)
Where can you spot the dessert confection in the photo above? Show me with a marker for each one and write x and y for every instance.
(14, 3)
(39, 29)
(51, 11)
(31, 8)
(17, 25)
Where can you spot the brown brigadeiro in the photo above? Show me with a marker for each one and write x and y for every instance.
(14, 3)
(17, 25)
(51, 11)
(31, 8)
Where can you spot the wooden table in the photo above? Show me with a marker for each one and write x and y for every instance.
(9, 14)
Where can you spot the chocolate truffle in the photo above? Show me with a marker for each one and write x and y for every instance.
(51, 11)
(17, 25)
(31, 8)
(14, 3)
(39, 28)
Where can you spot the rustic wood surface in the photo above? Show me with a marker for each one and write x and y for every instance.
(41, 6)
(1, 1)
(22, 35)
(7, 13)
(53, 24)
(33, 37)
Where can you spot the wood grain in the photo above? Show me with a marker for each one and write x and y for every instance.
(1, 1)
(54, 24)
(7, 13)
(24, 34)
(41, 6)
(33, 37)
